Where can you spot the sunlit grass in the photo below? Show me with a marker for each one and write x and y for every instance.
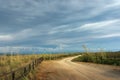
(112, 58)
(11, 62)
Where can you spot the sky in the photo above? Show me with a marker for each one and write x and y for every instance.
(59, 25)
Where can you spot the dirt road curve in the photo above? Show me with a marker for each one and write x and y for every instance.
(67, 70)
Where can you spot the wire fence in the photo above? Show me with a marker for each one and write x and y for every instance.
(21, 72)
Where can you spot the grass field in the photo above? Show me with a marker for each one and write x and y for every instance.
(12, 62)
(111, 58)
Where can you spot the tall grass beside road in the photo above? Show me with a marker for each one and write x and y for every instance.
(10, 62)
(112, 58)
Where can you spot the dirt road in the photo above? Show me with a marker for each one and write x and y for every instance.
(67, 70)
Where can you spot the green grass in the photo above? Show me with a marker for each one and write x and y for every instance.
(111, 58)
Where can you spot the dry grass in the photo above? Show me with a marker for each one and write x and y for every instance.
(12, 62)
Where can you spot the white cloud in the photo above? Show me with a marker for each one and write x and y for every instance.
(58, 29)
(24, 33)
(114, 4)
(77, 21)
(6, 38)
(103, 29)
(21, 35)
(30, 9)
(99, 25)
(95, 30)
(109, 35)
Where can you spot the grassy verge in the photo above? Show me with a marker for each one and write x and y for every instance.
(111, 58)
(58, 56)
(10, 63)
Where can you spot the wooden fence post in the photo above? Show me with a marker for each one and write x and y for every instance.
(33, 65)
(6, 78)
(24, 70)
(13, 75)
(29, 67)
(35, 62)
